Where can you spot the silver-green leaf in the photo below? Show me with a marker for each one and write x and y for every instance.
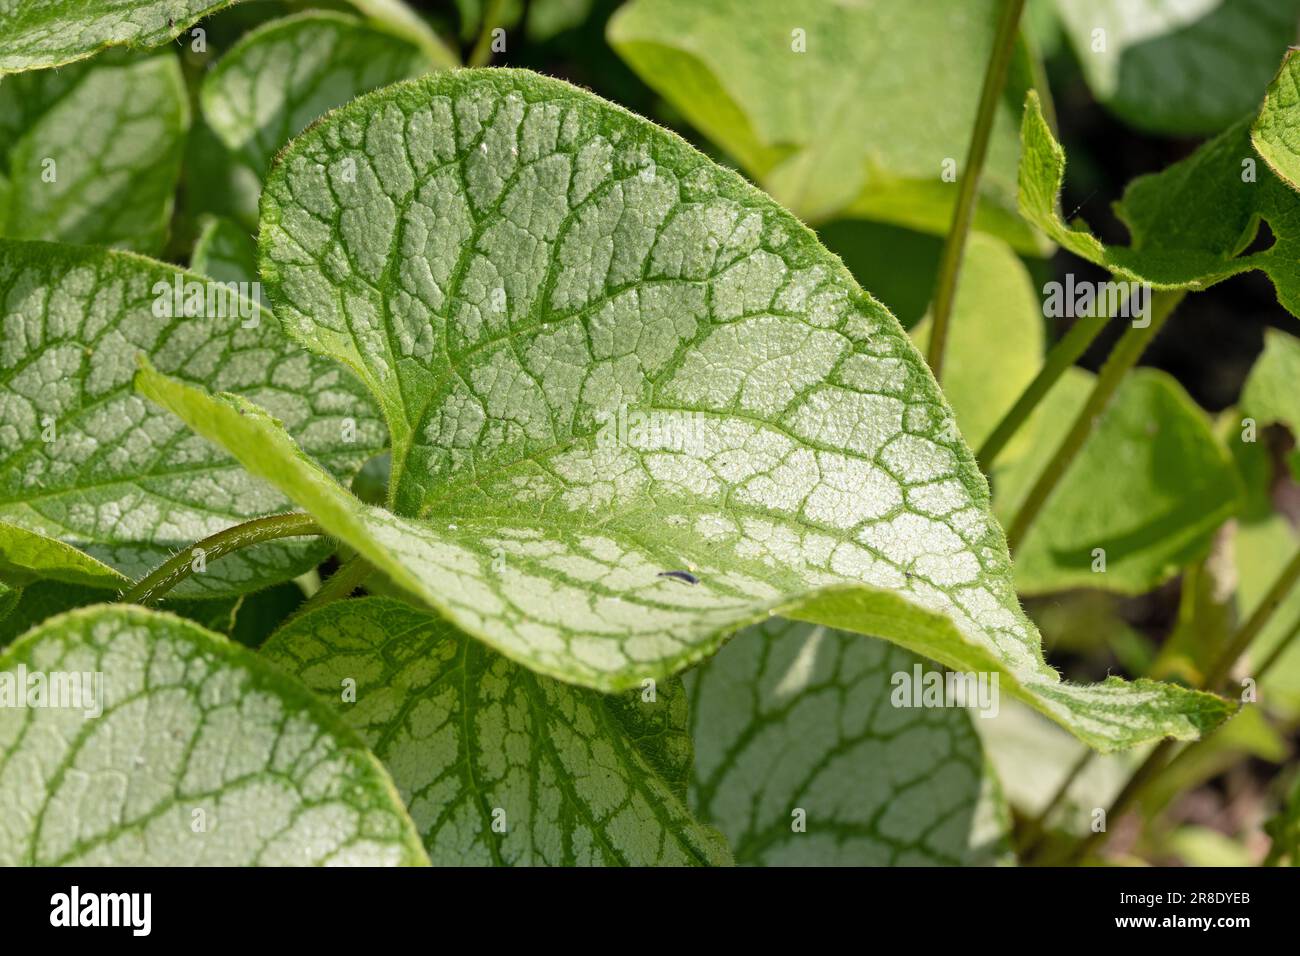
(634, 405)
(134, 737)
(85, 461)
(499, 765)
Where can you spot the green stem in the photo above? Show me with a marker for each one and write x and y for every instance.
(1150, 767)
(1063, 355)
(1124, 356)
(150, 588)
(1036, 829)
(339, 585)
(995, 79)
(481, 55)
(1267, 663)
(1259, 618)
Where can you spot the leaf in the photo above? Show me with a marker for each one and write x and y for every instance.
(401, 19)
(9, 599)
(96, 152)
(1189, 223)
(1178, 486)
(85, 460)
(798, 457)
(225, 252)
(1152, 63)
(38, 33)
(1032, 758)
(1269, 394)
(834, 130)
(27, 556)
(282, 76)
(898, 265)
(476, 743)
(796, 724)
(1276, 130)
(996, 338)
(180, 749)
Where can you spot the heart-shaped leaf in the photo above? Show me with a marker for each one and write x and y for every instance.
(133, 737)
(84, 460)
(634, 405)
(497, 764)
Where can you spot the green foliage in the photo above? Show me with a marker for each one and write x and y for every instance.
(1179, 67)
(41, 33)
(780, 469)
(805, 710)
(194, 732)
(817, 103)
(93, 152)
(499, 765)
(1179, 485)
(636, 530)
(85, 460)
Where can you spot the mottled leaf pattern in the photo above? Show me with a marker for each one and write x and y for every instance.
(193, 728)
(41, 33)
(506, 260)
(802, 759)
(1181, 67)
(85, 460)
(95, 152)
(1178, 487)
(499, 765)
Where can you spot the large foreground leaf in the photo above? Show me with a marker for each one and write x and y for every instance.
(1129, 535)
(41, 33)
(1184, 67)
(833, 128)
(497, 764)
(93, 152)
(516, 269)
(83, 459)
(803, 758)
(188, 750)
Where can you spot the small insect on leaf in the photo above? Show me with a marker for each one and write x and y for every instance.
(680, 576)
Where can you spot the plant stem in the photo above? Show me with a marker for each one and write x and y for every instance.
(1267, 663)
(995, 79)
(1062, 356)
(1124, 356)
(339, 585)
(1036, 829)
(1259, 618)
(481, 55)
(150, 588)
